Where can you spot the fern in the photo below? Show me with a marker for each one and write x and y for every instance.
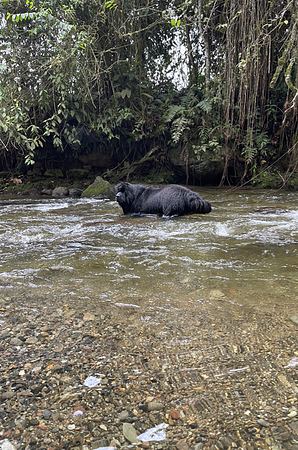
(178, 128)
(173, 111)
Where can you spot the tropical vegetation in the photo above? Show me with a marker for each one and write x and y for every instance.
(201, 91)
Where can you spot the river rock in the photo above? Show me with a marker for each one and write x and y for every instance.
(47, 192)
(46, 414)
(6, 445)
(60, 191)
(31, 340)
(155, 406)
(16, 341)
(32, 191)
(123, 416)
(263, 423)
(7, 395)
(99, 188)
(294, 319)
(181, 445)
(294, 426)
(75, 192)
(130, 433)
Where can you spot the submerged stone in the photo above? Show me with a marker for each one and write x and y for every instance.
(130, 433)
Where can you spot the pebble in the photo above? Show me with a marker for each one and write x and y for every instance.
(294, 319)
(174, 414)
(46, 414)
(130, 433)
(181, 445)
(263, 423)
(6, 445)
(7, 395)
(16, 341)
(199, 446)
(152, 406)
(88, 317)
(31, 340)
(123, 416)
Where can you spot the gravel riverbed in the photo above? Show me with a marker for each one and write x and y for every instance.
(210, 374)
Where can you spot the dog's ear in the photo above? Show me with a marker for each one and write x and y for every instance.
(119, 187)
(124, 186)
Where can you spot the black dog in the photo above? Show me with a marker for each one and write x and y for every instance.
(168, 201)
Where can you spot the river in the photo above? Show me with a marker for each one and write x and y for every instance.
(83, 250)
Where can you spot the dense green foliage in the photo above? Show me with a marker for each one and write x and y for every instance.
(214, 82)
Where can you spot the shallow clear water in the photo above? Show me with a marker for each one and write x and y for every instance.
(245, 251)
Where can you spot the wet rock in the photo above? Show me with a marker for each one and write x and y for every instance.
(47, 192)
(263, 423)
(31, 340)
(75, 192)
(294, 319)
(281, 433)
(7, 395)
(123, 416)
(199, 446)
(294, 426)
(88, 317)
(16, 341)
(46, 414)
(98, 443)
(6, 445)
(56, 416)
(32, 191)
(226, 442)
(181, 445)
(130, 433)
(174, 414)
(60, 191)
(151, 406)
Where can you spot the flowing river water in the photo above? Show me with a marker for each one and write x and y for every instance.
(197, 313)
(244, 253)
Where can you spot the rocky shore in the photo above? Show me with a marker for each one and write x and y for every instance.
(102, 375)
(57, 188)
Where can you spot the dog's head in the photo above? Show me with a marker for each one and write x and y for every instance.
(124, 196)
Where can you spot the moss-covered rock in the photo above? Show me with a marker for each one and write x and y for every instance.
(99, 188)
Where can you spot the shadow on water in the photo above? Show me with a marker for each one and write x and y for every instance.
(244, 252)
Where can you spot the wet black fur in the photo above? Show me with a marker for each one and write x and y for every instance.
(167, 201)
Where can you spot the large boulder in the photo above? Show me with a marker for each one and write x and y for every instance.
(100, 189)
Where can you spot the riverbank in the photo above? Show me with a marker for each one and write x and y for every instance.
(96, 375)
